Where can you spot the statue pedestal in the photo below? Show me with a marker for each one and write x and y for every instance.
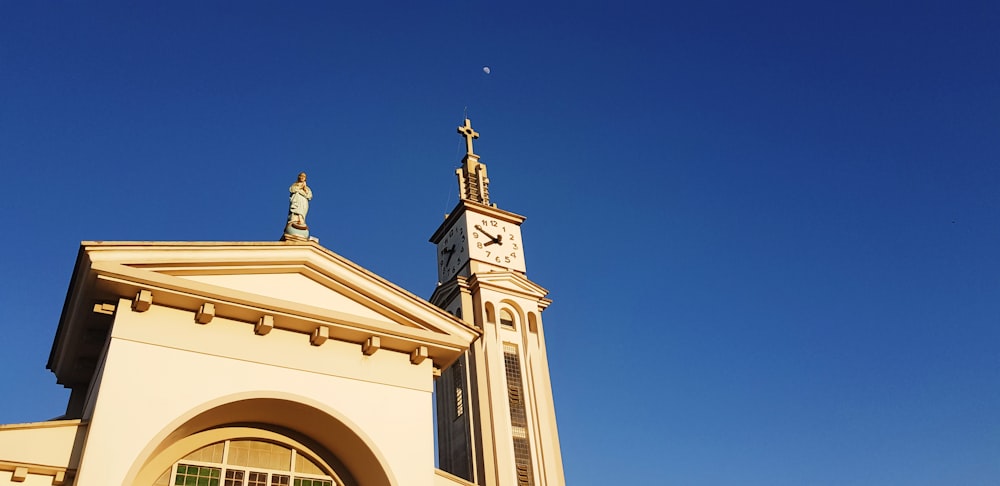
(295, 234)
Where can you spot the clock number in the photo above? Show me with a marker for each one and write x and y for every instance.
(510, 237)
(479, 244)
(506, 259)
(475, 234)
(515, 246)
(513, 255)
(498, 259)
(488, 255)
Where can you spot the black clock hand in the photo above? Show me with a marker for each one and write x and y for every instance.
(450, 252)
(495, 239)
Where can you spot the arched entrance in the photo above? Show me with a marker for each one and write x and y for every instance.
(336, 449)
(250, 456)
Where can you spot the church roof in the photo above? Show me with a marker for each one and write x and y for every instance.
(301, 285)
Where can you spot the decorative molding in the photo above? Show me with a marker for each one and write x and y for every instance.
(205, 313)
(264, 325)
(143, 299)
(20, 472)
(371, 345)
(449, 291)
(319, 336)
(107, 309)
(418, 355)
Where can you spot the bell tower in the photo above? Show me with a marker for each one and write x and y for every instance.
(495, 413)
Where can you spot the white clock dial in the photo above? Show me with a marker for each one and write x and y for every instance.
(495, 241)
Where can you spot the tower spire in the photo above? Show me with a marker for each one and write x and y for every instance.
(473, 184)
(495, 413)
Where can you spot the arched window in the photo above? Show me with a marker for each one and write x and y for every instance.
(247, 462)
(490, 313)
(506, 318)
(532, 322)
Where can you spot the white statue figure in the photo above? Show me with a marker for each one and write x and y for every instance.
(298, 203)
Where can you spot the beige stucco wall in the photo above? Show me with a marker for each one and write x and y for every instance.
(40, 443)
(44, 451)
(161, 368)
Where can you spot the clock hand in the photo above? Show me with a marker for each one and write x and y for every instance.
(450, 252)
(494, 238)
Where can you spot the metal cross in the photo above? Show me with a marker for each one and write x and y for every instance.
(469, 134)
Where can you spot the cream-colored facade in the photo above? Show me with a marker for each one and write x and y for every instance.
(252, 363)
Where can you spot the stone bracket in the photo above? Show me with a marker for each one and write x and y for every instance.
(143, 299)
(319, 336)
(205, 313)
(371, 345)
(264, 325)
(106, 309)
(418, 355)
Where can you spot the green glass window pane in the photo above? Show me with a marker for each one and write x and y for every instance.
(191, 481)
(203, 482)
(179, 481)
(216, 473)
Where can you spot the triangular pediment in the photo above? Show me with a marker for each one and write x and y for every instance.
(291, 287)
(302, 285)
(511, 282)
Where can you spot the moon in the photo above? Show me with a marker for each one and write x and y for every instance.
(486, 69)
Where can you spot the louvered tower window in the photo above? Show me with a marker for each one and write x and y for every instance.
(518, 418)
(459, 381)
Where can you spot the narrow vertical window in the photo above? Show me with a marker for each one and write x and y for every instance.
(459, 378)
(518, 417)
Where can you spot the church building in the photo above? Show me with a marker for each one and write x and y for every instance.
(283, 363)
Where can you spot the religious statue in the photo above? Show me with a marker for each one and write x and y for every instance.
(298, 207)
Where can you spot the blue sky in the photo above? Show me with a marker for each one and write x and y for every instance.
(770, 231)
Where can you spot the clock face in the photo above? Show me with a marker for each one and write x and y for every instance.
(482, 238)
(495, 241)
(453, 250)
